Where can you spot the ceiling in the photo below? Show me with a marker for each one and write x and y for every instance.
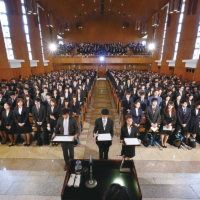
(74, 11)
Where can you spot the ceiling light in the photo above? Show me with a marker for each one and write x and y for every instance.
(122, 4)
(82, 4)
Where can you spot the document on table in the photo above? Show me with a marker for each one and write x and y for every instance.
(104, 137)
(63, 139)
(167, 129)
(154, 129)
(132, 141)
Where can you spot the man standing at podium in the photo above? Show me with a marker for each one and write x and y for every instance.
(68, 126)
(103, 125)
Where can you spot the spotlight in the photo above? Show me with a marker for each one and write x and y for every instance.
(101, 58)
(52, 47)
(151, 46)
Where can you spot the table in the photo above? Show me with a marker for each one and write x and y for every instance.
(105, 172)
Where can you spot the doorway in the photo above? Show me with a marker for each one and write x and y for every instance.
(101, 71)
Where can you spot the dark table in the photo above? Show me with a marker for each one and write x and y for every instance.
(105, 172)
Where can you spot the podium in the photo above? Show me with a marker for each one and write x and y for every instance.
(106, 172)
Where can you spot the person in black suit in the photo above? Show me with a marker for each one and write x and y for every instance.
(67, 94)
(39, 116)
(68, 126)
(103, 125)
(61, 100)
(80, 97)
(55, 95)
(177, 102)
(168, 119)
(183, 118)
(21, 116)
(74, 104)
(47, 101)
(52, 115)
(128, 131)
(9, 124)
(127, 103)
(2, 99)
(152, 118)
(136, 114)
(84, 91)
(181, 92)
(6, 93)
(190, 100)
(143, 101)
(193, 126)
(28, 102)
(165, 102)
(12, 100)
(2, 132)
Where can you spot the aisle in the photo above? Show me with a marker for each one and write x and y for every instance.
(101, 98)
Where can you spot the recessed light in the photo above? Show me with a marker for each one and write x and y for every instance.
(109, 9)
(119, 12)
(95, 9)
(85, 12)
(75, 15)
(82, 4)
(122, 4)
(129, 15)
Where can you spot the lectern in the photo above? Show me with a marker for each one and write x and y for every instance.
(105, 172)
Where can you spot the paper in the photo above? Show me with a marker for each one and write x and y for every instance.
(63, 139)
(71, 180)
(104, 137)
(154, 129)
(77, 181)
(132, 141)
(167, 129)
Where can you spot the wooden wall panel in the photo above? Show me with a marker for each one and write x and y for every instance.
(102, 29)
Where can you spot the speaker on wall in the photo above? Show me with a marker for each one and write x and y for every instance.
(190, 70)
(186, 70)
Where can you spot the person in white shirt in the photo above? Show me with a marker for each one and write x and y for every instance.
(128, 130)
(168, 119)
(67, 126)
(9, 124)
(193, 125)
(21, 115)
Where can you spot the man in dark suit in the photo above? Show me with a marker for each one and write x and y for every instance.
(127, 103)
(143, 101)
(183, 118)
(6, 93)
(68, 126)
(12, 100)
(2, 99)
(39, 116)
(84, 90)
(103, 125)
(181, 92)
(152, 118)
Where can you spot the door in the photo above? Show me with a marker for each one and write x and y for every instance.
(101, 71)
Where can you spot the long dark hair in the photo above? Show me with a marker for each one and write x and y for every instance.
(116, 192)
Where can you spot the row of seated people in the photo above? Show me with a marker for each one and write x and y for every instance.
(138, 48)
(65, 48)
(43, 105)
(145, 93)
(98, 49)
